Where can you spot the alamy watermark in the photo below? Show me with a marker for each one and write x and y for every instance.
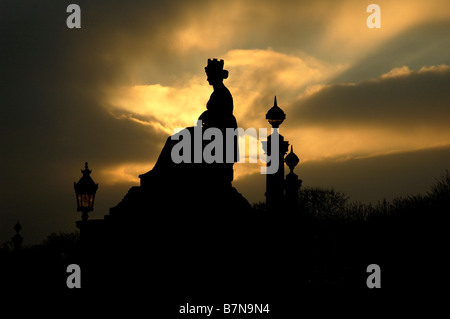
(374, 19)
(213, 151)
(374, 279)
(73, 21)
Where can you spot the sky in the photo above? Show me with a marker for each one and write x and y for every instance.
(367, 109)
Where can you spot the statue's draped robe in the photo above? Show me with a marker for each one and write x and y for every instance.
(219, 110)
(219, 114)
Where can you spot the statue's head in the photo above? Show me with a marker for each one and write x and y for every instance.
(215, 72)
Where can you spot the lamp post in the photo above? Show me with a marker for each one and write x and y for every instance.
(85, 191)
(275, 182)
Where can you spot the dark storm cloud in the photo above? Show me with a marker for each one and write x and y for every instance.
(375, 178)
(403, 102)
(53, 79)
(52, 116)
(421, 45)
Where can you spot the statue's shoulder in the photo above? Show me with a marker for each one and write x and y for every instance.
(225, 95)
(225, 91)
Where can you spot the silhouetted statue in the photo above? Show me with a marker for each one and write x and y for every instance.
(184, 215)
(193, 183)
(219, 114)
(219, 111)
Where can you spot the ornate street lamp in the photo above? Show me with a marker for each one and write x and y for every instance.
(85, 191)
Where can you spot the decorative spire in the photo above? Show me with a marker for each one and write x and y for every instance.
(291, 159)
(275, 115)
(17, 239)
(293, 184)
(86, 170)
(17, 227)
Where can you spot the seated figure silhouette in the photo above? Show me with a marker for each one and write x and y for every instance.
(219, 111)
(185, 222)
(218, 114)
(206, 185)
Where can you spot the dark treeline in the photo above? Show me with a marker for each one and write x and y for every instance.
(328, 242)
(328, 205)
(339, 238)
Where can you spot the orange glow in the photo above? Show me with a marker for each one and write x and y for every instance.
(162, 104)
(125, 173)
(319, 143)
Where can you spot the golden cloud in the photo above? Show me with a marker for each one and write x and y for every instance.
(402, 110)
(124, 173)
(164, 107)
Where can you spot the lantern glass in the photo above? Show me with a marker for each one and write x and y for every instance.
(85, 201)
(79, 201)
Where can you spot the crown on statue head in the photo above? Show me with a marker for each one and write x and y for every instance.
(216, 66)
